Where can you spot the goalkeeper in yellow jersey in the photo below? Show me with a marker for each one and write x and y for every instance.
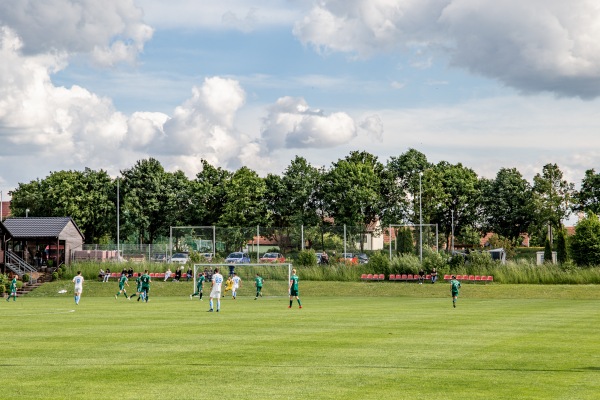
(228, 286)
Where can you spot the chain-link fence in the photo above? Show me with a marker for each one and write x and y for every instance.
(337, 241)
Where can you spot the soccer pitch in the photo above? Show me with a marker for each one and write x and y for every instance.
(412, 345)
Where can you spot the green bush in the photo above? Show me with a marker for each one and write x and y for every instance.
(585, 244)
(435, 260)
(55, 276)
(405, 264)
(379, 263)
(25, 278)
(306, 258)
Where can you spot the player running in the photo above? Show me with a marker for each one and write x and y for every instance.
(237, 283)
(215, 290)
(78, 281)
(293, 289)
(146, 285)
(454, 286)
(258, 282)
(122, 282)
(13, 289)
(228, 286)
(138, 288)
(199, 285)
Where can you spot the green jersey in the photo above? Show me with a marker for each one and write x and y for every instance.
(200, 282)
(13, 285)
(145, 281)
(258, 281)
(138, 283)
(454, 285)
(294, 283)
(122, 281)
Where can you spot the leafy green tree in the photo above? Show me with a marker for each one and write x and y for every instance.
(507, 204)
(585, 244)
(86, 196)
(353, 190)
(208, 191)
(552, 196)
(144, 207)
(244, 205)
(404, 172)
(29, 196)
(455, 196)
(588, 197)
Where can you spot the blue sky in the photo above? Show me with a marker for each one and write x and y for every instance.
(485, 83)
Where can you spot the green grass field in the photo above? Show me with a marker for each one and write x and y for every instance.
(350, 341)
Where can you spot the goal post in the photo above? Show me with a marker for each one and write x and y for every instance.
(269, 271)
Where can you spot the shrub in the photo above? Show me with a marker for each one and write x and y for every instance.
(306, 258)
(585, 244)
(405, 264)
(435, 260)
(379, 263)
(25, 278)
(55, 276)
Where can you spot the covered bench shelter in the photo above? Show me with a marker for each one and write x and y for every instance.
(37, 240)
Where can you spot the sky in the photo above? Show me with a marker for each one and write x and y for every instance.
(255, 83)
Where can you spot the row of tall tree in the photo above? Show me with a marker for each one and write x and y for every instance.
(356, 190)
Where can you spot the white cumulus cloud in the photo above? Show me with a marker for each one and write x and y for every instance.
(534, 45)
(291, 123)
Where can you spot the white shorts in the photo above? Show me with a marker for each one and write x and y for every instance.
(215, 294)
(78, 289)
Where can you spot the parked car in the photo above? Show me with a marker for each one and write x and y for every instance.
(238, 258)
(348, 258)
(362, 258)
(272, 258)
(207, 256)
(159, 257)
(180, 258)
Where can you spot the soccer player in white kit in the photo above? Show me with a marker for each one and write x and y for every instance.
(78, 281)
(236, 285)
(215, 289)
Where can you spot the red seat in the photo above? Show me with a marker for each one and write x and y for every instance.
(382, 277)
(447, 277)
(477, 278)
(398, 277)
(490, 278)
(370, 276)
(404, 277)
(392, 277)
(363, 277)
(471, 277)
(428, 277)
(410, 277)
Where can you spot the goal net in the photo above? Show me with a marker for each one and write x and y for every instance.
(269, 272)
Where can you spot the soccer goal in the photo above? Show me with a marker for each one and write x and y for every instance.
(269, 271)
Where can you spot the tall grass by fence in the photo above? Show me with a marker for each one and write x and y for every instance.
(513, 272)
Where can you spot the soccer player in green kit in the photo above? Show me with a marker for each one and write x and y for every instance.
(13, 289)
(454, 286)
(294, 289)
(138, 288)
(145, 285)
(122, 282)
(199, 284)
(258, 282)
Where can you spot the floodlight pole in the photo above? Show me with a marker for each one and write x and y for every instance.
(452, 242)
(118, 224)
(420, 219)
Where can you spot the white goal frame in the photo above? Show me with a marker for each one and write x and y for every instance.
(212, 266)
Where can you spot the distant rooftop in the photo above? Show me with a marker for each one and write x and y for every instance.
(37, 227)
